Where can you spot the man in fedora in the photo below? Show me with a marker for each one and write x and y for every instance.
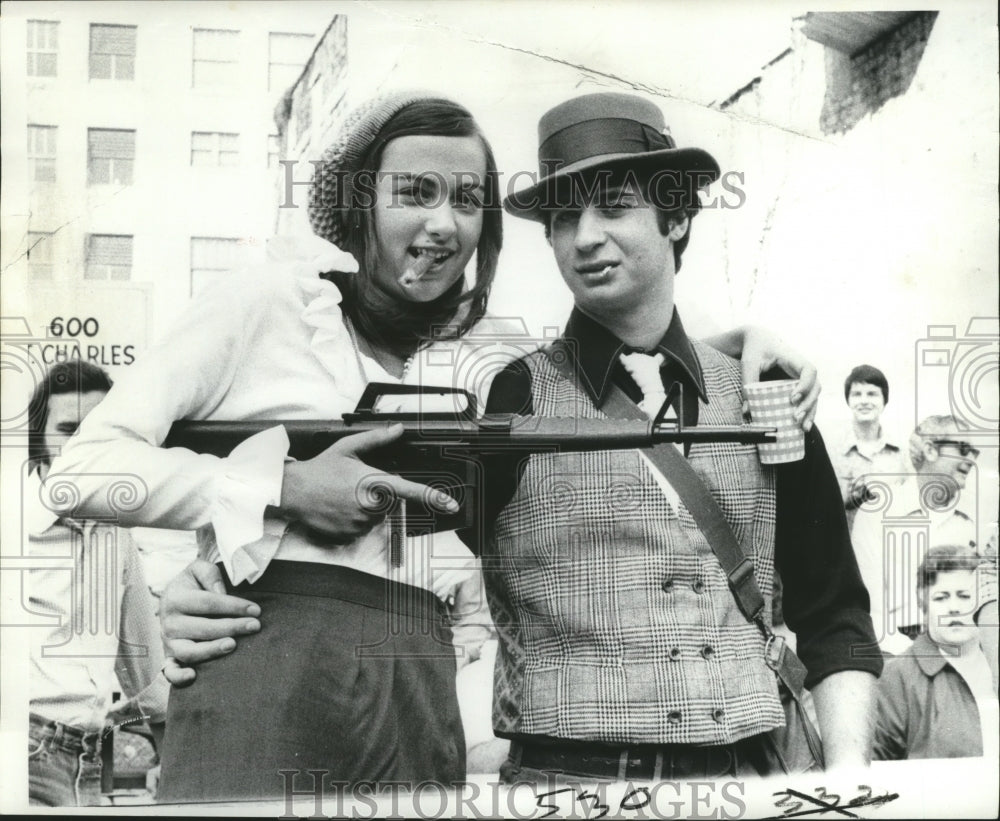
(624, 653)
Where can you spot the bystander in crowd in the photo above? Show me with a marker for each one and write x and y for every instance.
(866, 448)
(938, 699)
(890, 529)
(102, 635)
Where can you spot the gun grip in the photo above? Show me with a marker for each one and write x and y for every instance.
(428, 466)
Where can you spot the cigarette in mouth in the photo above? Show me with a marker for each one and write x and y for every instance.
(417, 270)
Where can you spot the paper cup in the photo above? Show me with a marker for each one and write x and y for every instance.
(770, 405)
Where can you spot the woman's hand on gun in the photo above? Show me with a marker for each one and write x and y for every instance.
(338, 496)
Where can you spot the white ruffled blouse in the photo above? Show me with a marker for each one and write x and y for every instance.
(264, 343)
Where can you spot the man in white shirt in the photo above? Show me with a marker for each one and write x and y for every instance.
(865, 449)
(892, 533)
(101, 634)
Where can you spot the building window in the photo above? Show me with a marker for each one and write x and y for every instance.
(112, 52)
(212, 257)
(42, 153)
(109, 256)
(43, 48)
(39, 255)
(273, 150)
(110, 156)
(216, 55)
(286, 54)
(212, 148)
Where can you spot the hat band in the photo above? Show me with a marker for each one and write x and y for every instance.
(594, 138)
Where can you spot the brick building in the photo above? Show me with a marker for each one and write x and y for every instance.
(139, 149)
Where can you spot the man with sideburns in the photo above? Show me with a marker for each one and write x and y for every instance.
(624, 653)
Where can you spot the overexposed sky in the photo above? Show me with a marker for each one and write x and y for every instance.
(694, 51)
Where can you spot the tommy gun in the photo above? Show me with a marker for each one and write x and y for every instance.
(441, 449)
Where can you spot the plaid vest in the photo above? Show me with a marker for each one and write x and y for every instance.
(616, 621)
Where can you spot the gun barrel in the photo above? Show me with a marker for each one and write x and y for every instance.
(558, 434)
(573, 434)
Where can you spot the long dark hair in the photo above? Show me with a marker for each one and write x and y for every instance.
(383, 318)
(72, 376)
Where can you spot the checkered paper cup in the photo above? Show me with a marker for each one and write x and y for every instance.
(770, 405)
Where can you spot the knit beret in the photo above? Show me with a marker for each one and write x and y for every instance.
(332, 185)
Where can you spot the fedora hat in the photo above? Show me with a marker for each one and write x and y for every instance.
(607, 130)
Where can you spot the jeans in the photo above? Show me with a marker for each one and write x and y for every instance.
(64, 765)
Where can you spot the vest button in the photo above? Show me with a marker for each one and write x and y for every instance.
(675, 653)
(707, 652)
(698, 587)
(674, 716)
(668, 585)
(719, 714)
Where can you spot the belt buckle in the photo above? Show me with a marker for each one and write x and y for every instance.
(625, 761)
(774, 651)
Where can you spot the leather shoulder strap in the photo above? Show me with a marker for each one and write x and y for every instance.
(692, 491)
(708, 516)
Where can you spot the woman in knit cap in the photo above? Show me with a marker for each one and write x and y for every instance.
(350, 670)
(354, 670)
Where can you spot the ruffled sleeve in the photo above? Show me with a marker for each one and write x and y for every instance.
(250, 481)
(246, 541)
(192, 374)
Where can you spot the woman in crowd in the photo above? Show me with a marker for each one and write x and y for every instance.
(354, 674)
(937, 699)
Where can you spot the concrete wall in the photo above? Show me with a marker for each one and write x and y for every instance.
(855, 243)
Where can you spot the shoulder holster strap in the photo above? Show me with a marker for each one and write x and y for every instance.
(710, 520)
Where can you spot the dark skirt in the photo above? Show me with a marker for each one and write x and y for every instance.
(351, 674)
